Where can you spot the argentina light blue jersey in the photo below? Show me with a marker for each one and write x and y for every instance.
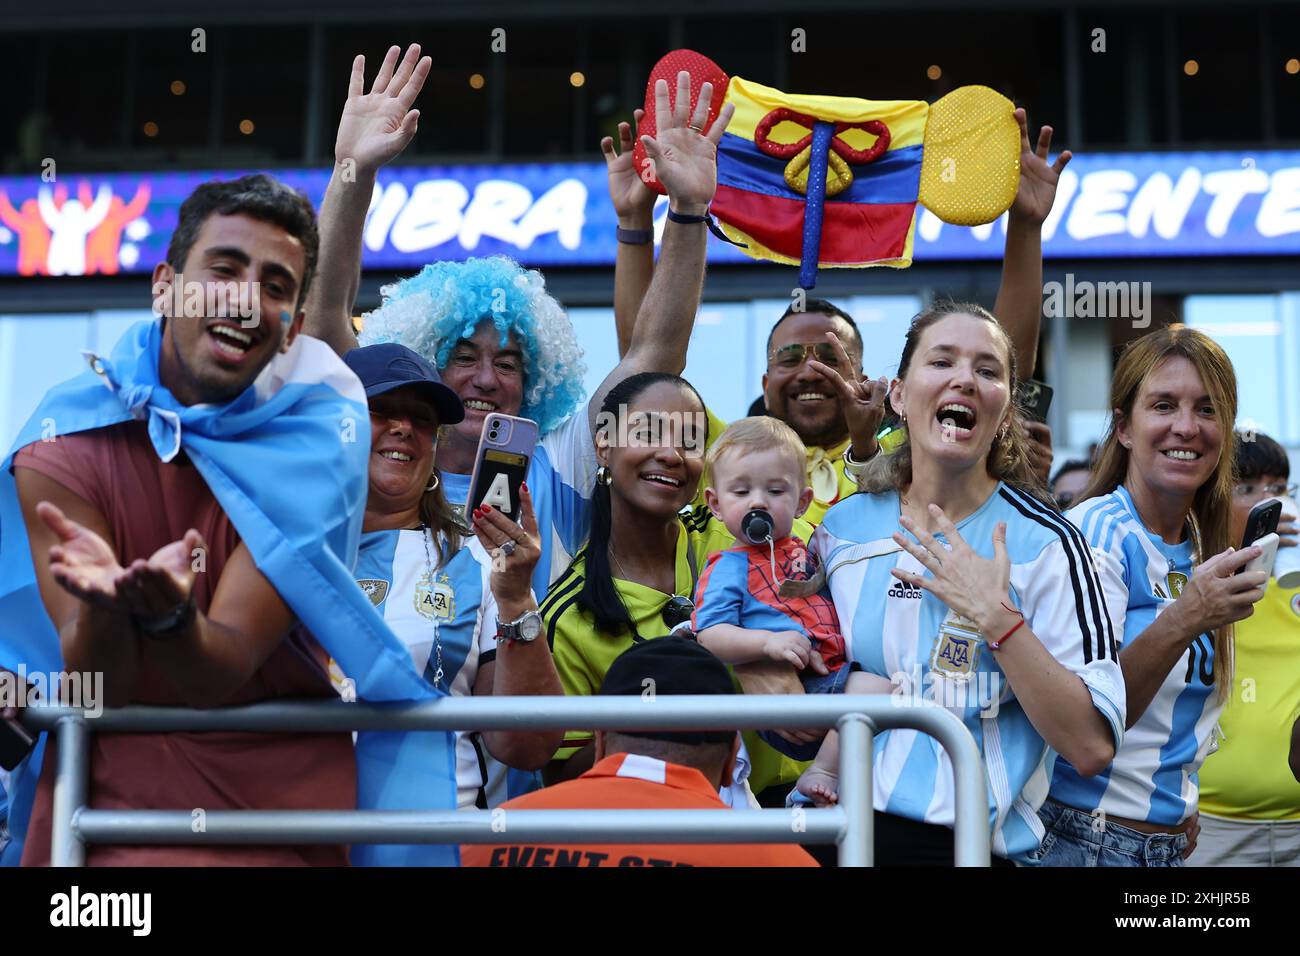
(561, 478)
(908, 635)
(1153, 777)
(451, 608)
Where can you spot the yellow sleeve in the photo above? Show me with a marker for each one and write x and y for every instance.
(576, 674)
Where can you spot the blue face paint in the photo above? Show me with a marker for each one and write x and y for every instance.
(285, 317)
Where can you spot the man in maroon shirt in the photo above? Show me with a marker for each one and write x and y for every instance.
(116, 535)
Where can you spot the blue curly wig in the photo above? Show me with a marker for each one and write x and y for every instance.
(432, 311)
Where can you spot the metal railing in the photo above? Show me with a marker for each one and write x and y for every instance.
(848, 824)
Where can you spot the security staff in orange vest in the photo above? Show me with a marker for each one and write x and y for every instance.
(647, 770)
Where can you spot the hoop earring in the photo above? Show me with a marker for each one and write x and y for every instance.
(604, 476)
(434, 485)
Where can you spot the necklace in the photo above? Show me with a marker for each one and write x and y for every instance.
(623, 575)
(437, 643)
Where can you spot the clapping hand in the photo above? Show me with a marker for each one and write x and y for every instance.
(85, 565)
(684, 153)
(158, 587)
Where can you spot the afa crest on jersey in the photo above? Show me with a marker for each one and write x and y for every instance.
(434, 597)
(374, 588)
(956, 648)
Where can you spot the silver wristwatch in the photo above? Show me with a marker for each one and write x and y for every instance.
(525, 630)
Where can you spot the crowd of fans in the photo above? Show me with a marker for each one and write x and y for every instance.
(1130, 683)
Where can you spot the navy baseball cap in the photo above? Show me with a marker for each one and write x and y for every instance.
(385, 367)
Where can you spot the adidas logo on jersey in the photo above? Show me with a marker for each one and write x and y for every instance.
(901, 589)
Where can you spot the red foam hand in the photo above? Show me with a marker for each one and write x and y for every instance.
(702, 70)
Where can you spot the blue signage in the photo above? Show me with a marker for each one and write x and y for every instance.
(559, 214)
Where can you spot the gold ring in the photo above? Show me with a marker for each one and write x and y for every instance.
(698, 129)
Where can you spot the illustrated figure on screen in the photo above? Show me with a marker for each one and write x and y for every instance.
(105, 240)
(33, 234)
(69, 225)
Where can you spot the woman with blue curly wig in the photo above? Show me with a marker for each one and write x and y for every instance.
(489, 327)
(503, 345)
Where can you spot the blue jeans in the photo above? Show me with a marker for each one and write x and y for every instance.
(1075, 838)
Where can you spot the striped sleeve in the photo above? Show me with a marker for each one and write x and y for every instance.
(1061, 596)
(572, 456)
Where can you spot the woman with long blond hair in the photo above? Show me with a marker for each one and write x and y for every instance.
(957, 579)
(1156, 514)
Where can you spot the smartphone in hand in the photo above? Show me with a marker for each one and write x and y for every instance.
(505, 450)
(1261, 529)
(1034, 398)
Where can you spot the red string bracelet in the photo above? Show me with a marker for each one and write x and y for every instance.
(994, 645)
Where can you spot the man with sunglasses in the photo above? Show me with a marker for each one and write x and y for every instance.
(814, 384)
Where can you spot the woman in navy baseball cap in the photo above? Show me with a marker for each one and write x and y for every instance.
(433, 580)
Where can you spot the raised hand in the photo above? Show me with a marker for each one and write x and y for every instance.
(514, 548)
(633, 199)
(973, 586)
(378, 125)
(684, 153)
(83, 563)
(159, 586)
(862, 399)
(1038, 178)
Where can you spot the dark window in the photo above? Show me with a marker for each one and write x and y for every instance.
(620, 55)
(171, 116)
(1282, 67)
(541, 102)
(885, 56)
(26, 123)
(265, 86)
(1220, 103)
